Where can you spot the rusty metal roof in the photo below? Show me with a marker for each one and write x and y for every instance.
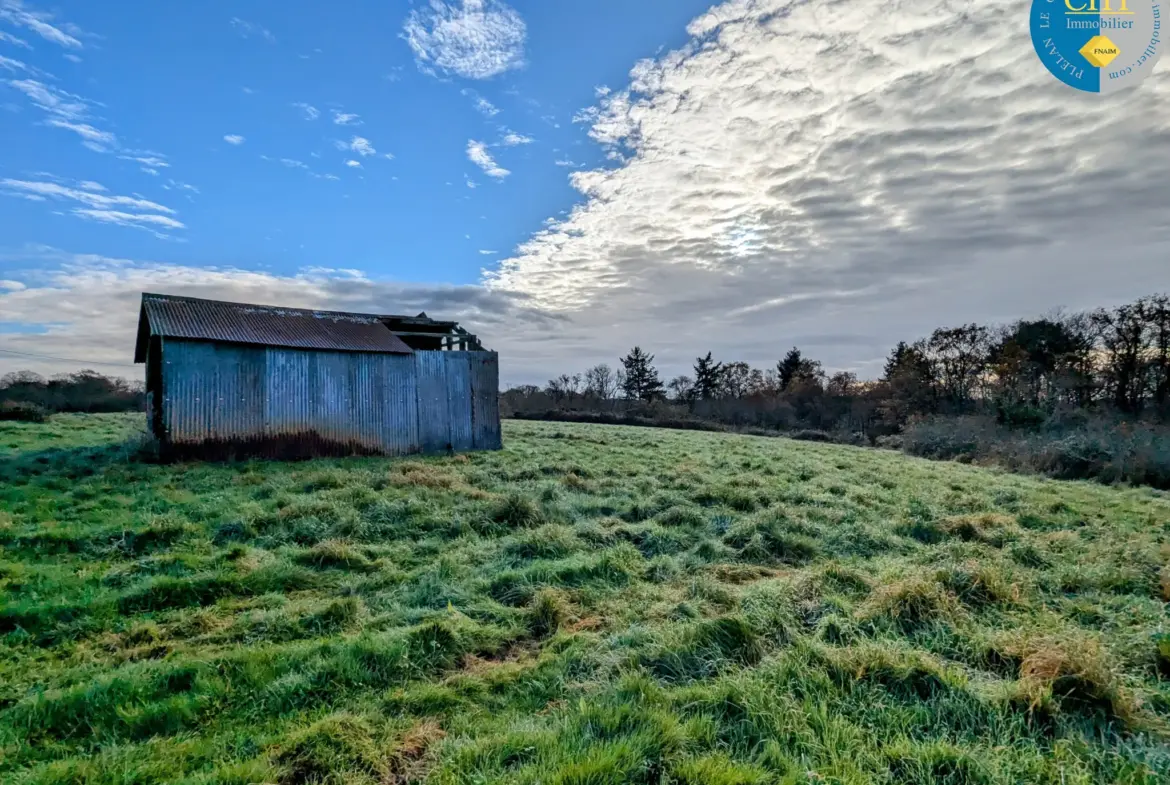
(267, 325)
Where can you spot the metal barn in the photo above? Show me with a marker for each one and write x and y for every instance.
(237, 380)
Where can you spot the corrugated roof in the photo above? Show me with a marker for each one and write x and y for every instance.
(267, 325)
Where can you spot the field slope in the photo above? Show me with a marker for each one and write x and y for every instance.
(590, 605)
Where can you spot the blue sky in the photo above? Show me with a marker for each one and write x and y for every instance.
(171, 80)
(737, 177)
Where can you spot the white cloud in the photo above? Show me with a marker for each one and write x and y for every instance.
(69, 112)
(146, 158)
(247, 29)
(292, 163)
(566, 162)
(87, 132)
(474, 39)
(95, 203)
(361, 146)
(87, 193)
(15, 12)
(12, 65)
(330, 177)
(129, 219)
(601, 91)
(311, 112)
(482, 105)
(511, 139)
(905, 170)
(345, 118)
(487, 253)
(72, 57)
(388, 156)
(12, 286)
(235, 139)
(9, 38)
(50, 99)
(173, 184)
(353, 164)
(477, 153)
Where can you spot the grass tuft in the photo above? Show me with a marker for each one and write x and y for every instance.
(516, 511)
(909, 604)
(341, 748)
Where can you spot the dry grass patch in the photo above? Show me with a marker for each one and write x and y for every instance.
(909, 604)
(1071, 673)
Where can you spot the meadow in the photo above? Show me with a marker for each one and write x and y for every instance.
(592, 604)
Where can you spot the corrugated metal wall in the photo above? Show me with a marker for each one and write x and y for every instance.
(484, 368)
(222, 400)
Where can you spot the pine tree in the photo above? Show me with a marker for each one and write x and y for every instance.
(708, 378)
(641, 378)
(797, 368)
(789, 368)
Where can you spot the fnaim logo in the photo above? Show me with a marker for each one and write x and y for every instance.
(1099, 46)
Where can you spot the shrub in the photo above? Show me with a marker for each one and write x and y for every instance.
(19, 411)
(1099, 449)
(811, 435)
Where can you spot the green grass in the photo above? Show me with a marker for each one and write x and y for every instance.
(593, 604)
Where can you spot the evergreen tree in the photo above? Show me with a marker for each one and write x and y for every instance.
(641, 377)
(708, 378)
(797, 368)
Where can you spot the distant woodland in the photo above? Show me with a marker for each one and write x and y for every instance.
(1071, 394)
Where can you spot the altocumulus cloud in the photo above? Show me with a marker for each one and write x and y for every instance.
(474, 39)
(870, 169)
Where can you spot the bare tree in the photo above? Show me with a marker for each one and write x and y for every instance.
(600, 382)
(681, 388)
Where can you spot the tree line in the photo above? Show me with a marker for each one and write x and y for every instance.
(24, 394)
(1109, 359)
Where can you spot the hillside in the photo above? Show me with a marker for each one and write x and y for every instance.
(592, 604)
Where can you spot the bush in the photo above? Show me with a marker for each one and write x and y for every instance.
(19, 411)
(1101, 449)
(811, 435)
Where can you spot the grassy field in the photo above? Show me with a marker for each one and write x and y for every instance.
(590, 605)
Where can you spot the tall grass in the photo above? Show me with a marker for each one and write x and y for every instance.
(589, 605)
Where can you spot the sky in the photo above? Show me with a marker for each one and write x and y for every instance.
(566, 179)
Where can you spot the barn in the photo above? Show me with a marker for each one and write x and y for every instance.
(226, 380)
